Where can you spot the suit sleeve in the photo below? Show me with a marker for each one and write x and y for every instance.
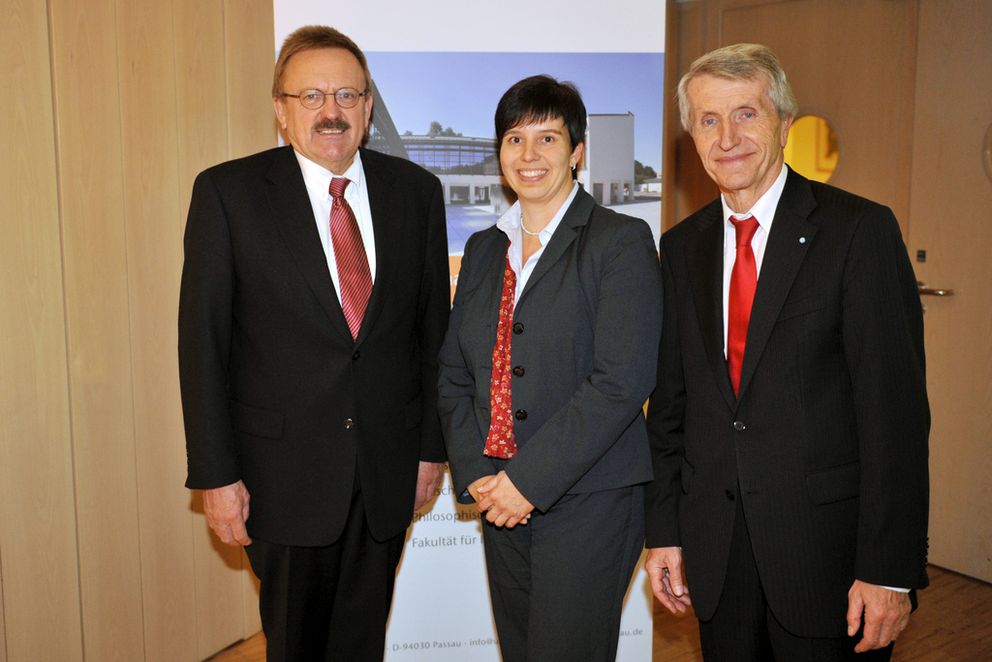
(205, 319)
(435, 304)
(456, 394)
(609, 399)
(666, 419)
(883, 345)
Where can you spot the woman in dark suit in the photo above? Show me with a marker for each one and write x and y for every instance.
(548, 359)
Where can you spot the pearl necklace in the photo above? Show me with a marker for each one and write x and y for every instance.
(526, 231)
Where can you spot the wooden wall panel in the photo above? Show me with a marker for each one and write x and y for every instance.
(219, 582)
(96, 294)
(154, 256)
(40, 587)
(690, 187)
(670, 126)
(248, 28)
(3, 632)
(115, 108)
(202, 107)
(251, 128)
(201, 91)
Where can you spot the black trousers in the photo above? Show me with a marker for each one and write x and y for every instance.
(557, 584)
(327, 603)
(744, 628)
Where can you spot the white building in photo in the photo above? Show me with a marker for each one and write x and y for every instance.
(652, 185)
(607, 170)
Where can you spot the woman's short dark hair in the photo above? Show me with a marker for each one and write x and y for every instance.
(540, 98)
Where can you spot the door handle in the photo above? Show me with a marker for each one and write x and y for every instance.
(933, 291)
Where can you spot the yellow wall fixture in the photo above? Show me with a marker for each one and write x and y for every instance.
(812, 148)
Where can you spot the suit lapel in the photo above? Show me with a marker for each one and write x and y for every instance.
(387, 216)
(494, 266)
(704, 262)
(575, 217)
(291, 209)
(788, 241)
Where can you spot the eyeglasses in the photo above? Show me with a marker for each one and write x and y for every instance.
(344, 97)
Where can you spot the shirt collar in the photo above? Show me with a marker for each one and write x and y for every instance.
(318, 178)
(765, 206)
(509, 222)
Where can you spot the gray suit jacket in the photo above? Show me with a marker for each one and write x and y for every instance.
(587, 329)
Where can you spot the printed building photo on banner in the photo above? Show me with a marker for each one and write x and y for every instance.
(436, 109)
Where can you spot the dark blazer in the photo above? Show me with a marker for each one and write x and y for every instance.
(826, 445)
(274, 390)
(585, 337)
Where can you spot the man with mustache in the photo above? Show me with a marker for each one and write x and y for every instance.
(315, 296)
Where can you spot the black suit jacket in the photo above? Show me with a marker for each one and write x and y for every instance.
(826, 445)
(275, 391)
(587, 326)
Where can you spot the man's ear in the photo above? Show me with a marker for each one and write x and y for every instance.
(279, 104)
(786, 125)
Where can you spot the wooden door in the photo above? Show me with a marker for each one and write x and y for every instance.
(951, 208)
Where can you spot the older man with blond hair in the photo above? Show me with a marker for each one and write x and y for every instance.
(790, 421)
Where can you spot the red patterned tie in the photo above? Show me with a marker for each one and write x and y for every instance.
(354, 276)
(743, 281)
(500, 441)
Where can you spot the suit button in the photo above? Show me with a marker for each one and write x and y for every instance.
(739, 426)
(518, 328)
(730, 495)
(349, 423)
(357, 355)
(518, 370)
(520, 414)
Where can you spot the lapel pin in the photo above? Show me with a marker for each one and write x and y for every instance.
(802, 240)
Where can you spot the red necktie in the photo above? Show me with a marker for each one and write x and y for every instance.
(354, 276)
(500, 441)
(743, 281)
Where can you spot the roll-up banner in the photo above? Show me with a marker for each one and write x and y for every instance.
(438, 70)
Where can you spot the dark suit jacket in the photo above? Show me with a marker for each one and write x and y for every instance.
(588, 321)
(826, 445)
(274, 390)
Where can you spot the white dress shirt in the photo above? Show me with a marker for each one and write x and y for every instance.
(764, 211)
(509, 223)
(318, 182)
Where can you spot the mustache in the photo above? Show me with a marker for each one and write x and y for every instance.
(337, 124)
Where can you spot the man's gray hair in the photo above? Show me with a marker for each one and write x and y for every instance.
(741, 62)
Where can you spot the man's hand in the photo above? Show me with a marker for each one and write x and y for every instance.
(501, 501)
(428, 478)
(886, 614)
(664, 568)
(226, 509)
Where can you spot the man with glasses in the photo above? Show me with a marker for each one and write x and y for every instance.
(314, 299)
